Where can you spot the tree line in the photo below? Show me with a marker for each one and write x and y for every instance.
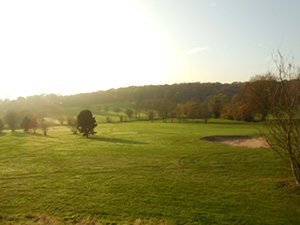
(85, 122)
(25, 120)
(50, 104)
(190, 100)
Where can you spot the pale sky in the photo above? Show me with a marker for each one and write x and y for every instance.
(70, 46)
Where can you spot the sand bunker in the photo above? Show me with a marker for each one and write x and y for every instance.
(240, 141)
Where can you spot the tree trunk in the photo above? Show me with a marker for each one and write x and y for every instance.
(296, 171)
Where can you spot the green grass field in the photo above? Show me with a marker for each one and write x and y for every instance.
(143, 172)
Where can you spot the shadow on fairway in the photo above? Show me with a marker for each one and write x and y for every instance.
(23, 134)
(229, 123)
(117, 140)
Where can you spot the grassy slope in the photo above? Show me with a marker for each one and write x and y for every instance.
(154, 171)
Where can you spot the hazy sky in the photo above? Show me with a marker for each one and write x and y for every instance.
(69, 46)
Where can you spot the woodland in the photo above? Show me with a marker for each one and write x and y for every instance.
(150, 97)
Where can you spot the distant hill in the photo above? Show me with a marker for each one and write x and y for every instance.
(175, 93)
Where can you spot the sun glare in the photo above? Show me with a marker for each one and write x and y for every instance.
(138, 55)
(80, 47)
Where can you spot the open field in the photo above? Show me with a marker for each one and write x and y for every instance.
(144, 172)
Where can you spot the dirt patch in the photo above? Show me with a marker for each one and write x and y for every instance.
(240, 141)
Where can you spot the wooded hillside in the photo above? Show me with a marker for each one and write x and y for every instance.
(177, 94)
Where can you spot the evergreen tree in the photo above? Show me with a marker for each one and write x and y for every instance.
(86, 123)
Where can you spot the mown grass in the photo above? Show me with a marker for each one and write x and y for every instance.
(155, 173)
(100, 113)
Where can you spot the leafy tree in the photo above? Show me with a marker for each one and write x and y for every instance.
(164, 109)
(26, 124)
(228, 112)
(106, 108)
(34, 123)
(190, 109)
(242, 110)
(138, 106)
(151, 115)
(44, 125)
(148, 105)
(129, 113)
(193, 109)
(1, 125)
(86, 123)
(173, 115)
(179, 112)
(99, 108)
(217, 103)
(183, 109)
(108, 119)
(11, 118)
(204, 112)
(252, 99)
(258, 98)
(117, 110)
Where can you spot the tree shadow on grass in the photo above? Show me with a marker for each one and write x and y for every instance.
(117, 140)
(2, 134)
(23, 134)
(238, 123)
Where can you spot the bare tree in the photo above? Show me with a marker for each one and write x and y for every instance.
(61, 119)
(283, 126)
